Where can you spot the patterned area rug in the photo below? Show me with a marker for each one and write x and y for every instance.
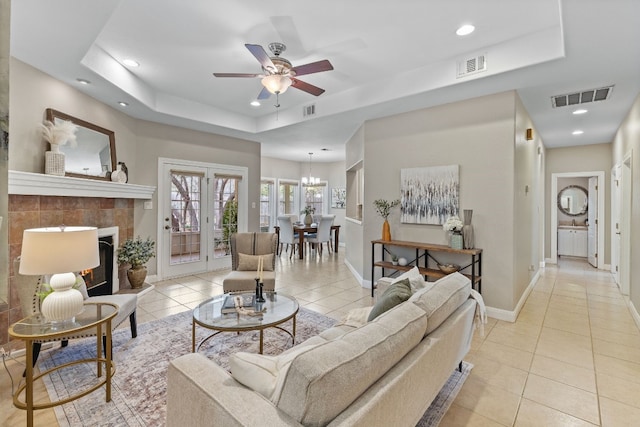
(139, 385)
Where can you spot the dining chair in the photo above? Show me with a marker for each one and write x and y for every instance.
(323, 235)
(287, 235)
(29, 287)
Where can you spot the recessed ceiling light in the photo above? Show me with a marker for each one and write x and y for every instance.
(580, 111)
(123, 104)
(255, 103)
(130, 63)
(465, 30)
(577, 132)
(83, 81)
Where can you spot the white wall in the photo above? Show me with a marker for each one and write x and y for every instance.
(627, 140)
(478, 135)
(585, 158)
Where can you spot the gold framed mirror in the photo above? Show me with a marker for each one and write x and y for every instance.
(94, 156)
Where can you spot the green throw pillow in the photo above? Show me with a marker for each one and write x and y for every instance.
(395, 294)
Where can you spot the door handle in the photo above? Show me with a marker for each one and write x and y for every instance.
(618, 233)
(166, 227)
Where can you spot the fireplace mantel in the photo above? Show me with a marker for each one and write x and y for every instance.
(51, 185)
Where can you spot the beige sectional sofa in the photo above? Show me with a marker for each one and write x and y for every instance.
(382, 372)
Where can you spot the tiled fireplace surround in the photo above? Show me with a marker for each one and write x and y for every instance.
(30, 211)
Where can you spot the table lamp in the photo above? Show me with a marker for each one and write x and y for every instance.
(60, 251)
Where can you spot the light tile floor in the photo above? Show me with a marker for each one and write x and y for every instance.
(571, 358)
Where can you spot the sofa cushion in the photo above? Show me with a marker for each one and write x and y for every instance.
(396, 293)
(323, 382)
(443, 298)
(248, 262)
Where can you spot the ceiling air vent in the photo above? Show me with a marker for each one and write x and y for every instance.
(473, 65)
(309, 110)
(583, 97)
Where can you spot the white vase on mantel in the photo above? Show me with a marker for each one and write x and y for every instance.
(119, 175)
(54, 161)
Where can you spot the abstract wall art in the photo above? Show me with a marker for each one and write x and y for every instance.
(430, 195)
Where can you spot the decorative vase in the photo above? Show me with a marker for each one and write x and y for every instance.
(308, 220)
(54, 162)
(118, 175)
(136, 276)
(386, 231)
(402, 261)
(467, 230)
(125, 169)
(455, 240)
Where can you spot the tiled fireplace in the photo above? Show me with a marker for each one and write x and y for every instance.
(37, 200)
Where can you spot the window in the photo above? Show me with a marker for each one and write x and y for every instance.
(316, 197)
(185, 216)
(288, 197)
(225, 212)
(267, 205)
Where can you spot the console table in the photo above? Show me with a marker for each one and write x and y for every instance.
(425, 260)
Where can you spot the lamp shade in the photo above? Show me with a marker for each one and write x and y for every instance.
(59, 250)
(276, 83)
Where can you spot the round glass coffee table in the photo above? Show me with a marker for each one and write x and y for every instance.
(279, 309)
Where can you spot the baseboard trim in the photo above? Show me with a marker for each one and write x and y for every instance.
(634, 313)
(364, 283)
(511, 316)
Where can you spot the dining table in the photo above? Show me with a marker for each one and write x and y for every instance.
(303, 230)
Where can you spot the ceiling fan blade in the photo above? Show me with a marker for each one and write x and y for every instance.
(314, 67)
(236, 75)
(264, 94)
(306, 87)
(261, 55)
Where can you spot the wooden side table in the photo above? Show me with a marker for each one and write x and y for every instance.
(37, 328)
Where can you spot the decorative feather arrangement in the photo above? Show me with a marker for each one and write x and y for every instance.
(58, 134)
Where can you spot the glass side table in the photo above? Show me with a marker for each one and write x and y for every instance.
(37, 328)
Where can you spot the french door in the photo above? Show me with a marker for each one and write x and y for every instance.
(200, 206)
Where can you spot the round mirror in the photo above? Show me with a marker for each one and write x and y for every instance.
(573, 200)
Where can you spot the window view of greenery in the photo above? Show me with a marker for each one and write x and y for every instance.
(225, 214)
(185, 217)
(266, 189)
(287, 199)
(314, 197)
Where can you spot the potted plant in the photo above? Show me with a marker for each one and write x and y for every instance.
(136, 252)
(383, 208)
(308, 211)
(394, 259)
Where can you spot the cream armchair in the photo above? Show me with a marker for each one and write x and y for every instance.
(245, 251)
(29, 287)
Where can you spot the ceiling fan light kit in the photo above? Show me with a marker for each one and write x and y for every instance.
(279, 74)
(276, 83)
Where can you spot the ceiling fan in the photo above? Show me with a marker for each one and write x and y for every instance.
(278, 73)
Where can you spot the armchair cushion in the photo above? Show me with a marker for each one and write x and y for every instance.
(248, 262)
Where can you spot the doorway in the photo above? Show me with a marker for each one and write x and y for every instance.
(199, 206)
(621, 182)
(598, 232)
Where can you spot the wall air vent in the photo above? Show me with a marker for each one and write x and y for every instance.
(309, 110)
(473, 65)
(583, 97)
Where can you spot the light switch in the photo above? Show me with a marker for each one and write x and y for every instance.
(253, 205)
(148, 204)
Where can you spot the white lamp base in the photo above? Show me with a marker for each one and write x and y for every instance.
(64, 302)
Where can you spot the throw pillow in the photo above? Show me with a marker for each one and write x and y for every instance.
(396, 294)
(248, 262)
(416, 280)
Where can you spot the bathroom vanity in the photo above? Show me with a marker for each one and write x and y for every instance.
(572, 240)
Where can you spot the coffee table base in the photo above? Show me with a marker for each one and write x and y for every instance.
(195, 348)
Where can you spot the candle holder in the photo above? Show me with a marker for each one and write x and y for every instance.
(259, 295)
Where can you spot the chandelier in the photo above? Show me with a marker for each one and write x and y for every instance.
(310, 180)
